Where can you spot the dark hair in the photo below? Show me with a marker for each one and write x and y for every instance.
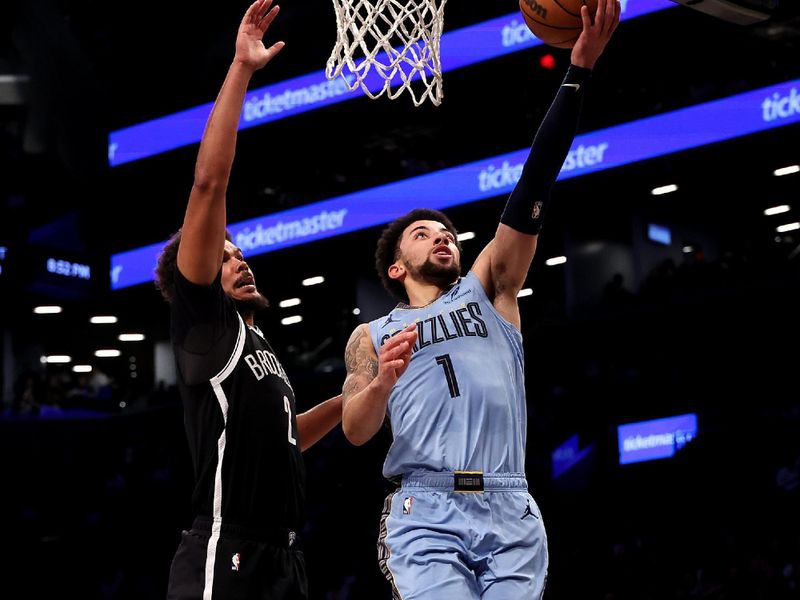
(168, 265)
(389, 245)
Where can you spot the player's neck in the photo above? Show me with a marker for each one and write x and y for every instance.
(422, 293)
(248, 316)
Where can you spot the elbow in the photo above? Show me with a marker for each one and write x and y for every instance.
(354, 437)
(208, 182)
(353, 434)
(356, 441)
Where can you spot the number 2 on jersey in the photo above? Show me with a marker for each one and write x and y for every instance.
(449, 374)
(288, 408)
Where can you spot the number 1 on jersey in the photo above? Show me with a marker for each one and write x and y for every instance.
(288, 408)
(449, 374)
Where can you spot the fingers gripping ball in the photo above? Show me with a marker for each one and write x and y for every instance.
(556, 22)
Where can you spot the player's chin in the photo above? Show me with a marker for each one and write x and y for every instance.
(250, 300)
(448, 263)
(246, 293)
(246, 290)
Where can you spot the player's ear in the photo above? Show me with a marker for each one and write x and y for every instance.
(396, 270)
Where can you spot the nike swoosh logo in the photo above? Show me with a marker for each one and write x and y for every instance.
(577, 86)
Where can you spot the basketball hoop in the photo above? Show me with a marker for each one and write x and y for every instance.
(385, 46)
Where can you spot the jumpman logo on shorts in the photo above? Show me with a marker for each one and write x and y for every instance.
(528, 512)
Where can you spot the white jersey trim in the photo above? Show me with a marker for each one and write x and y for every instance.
(216, 525)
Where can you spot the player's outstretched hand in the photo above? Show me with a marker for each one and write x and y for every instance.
(596, 32)
(250, 49)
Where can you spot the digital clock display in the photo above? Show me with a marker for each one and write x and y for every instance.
(67, 268)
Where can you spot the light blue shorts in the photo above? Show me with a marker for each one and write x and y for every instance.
(439, 544)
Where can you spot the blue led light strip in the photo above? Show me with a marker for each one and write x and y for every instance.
(459, 48)
(735, 116)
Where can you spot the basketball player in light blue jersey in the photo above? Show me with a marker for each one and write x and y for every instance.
(446, 368)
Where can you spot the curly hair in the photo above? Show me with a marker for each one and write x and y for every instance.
(388, 249)
(168, 265)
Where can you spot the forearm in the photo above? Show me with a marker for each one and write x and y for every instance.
(370, 379)
(363, 413)
(218, 145)
(527, 204)
(203, 232)
(200, 252)
(313, 424)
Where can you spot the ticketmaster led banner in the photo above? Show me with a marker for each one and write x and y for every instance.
(751, 112)
(459, 48)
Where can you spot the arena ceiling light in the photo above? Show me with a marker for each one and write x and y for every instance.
(556, 260)
(289, 302)
(788, 227)
(131, 337)
(776, 210)
(786, 170)
(525, 292)
(291, 320)
(107, 353)
(664, 189)
(467, 235)
(47, 310)
(313, 280)
(103, 319)
(82, 369)
(57, 359)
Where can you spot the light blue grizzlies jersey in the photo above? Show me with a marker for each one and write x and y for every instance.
(460, 405)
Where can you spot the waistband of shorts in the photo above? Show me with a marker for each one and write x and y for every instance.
(445, 481)
(277, 536)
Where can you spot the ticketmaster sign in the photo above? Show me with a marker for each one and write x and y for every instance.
(739, 115)
(459, 48)
(660, 438)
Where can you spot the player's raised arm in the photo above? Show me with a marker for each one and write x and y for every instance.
(203, 232)
(503, 265)
(370, 378)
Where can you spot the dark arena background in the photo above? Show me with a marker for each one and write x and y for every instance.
(661, 324)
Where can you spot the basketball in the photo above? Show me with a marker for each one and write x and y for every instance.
(556, 22)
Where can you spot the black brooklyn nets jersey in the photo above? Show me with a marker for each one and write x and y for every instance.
(239, 414)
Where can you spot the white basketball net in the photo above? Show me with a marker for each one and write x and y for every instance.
(398, 38)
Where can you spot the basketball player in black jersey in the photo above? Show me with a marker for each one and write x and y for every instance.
(244, 435)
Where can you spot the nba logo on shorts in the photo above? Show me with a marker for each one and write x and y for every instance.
(537, 210)
(407, 505)
(236, 560)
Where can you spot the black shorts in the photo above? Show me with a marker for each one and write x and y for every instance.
(240, 565)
